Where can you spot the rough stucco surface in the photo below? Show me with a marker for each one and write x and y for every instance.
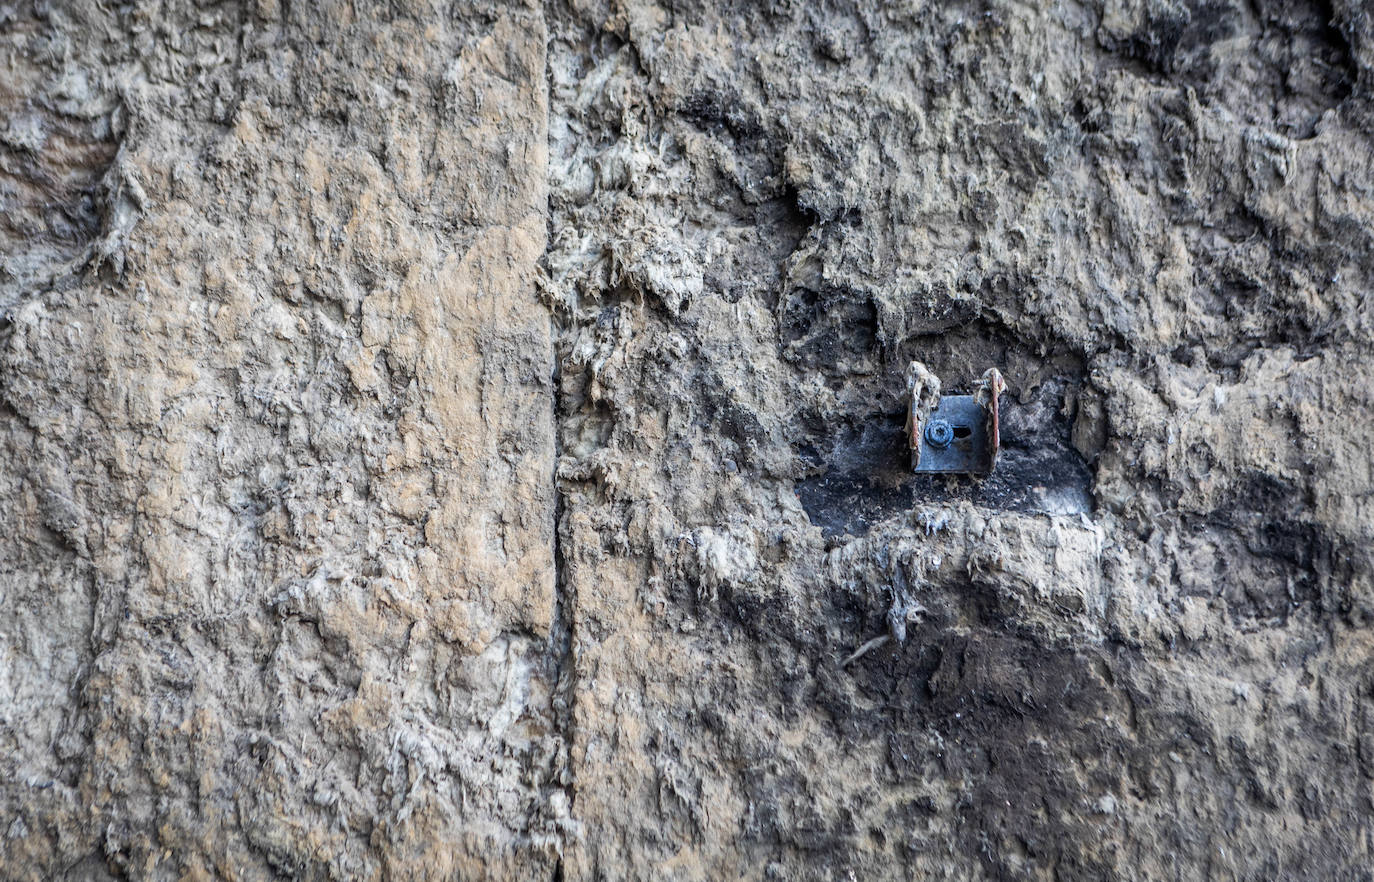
(460, 442)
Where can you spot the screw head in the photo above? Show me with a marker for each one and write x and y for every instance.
(939, 433)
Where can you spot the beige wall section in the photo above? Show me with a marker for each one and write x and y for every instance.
(278, 450)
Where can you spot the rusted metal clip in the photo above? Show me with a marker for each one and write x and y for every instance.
(952, 434)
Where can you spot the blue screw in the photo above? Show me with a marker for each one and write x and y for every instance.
(939, 433)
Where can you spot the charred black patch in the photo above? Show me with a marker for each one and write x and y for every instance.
(1052, 741)
(829, 330)
(1028, 724)
(857, 467)
(722, 111)
(1323, 64)
(1155, 43)
(763, 617)
(1024, 722)
(1175, 40)
(1289, 558)
(1299, 60)
(1020, 154)
(866, 477)
(729, 419)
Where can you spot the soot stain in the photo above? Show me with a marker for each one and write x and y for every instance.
(864, 474)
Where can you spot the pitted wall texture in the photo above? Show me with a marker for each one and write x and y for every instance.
(461, 442)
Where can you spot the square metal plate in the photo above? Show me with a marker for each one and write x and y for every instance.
(971, 448)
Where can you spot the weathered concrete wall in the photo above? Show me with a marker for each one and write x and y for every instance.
(466, 442)
(278, 445)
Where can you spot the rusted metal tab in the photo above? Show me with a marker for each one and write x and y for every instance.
(960, 434)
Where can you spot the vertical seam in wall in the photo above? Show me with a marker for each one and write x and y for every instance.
(561, 627)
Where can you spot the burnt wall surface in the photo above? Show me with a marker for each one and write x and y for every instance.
(466, 441)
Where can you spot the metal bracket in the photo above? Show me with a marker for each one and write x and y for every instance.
(960, 434)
